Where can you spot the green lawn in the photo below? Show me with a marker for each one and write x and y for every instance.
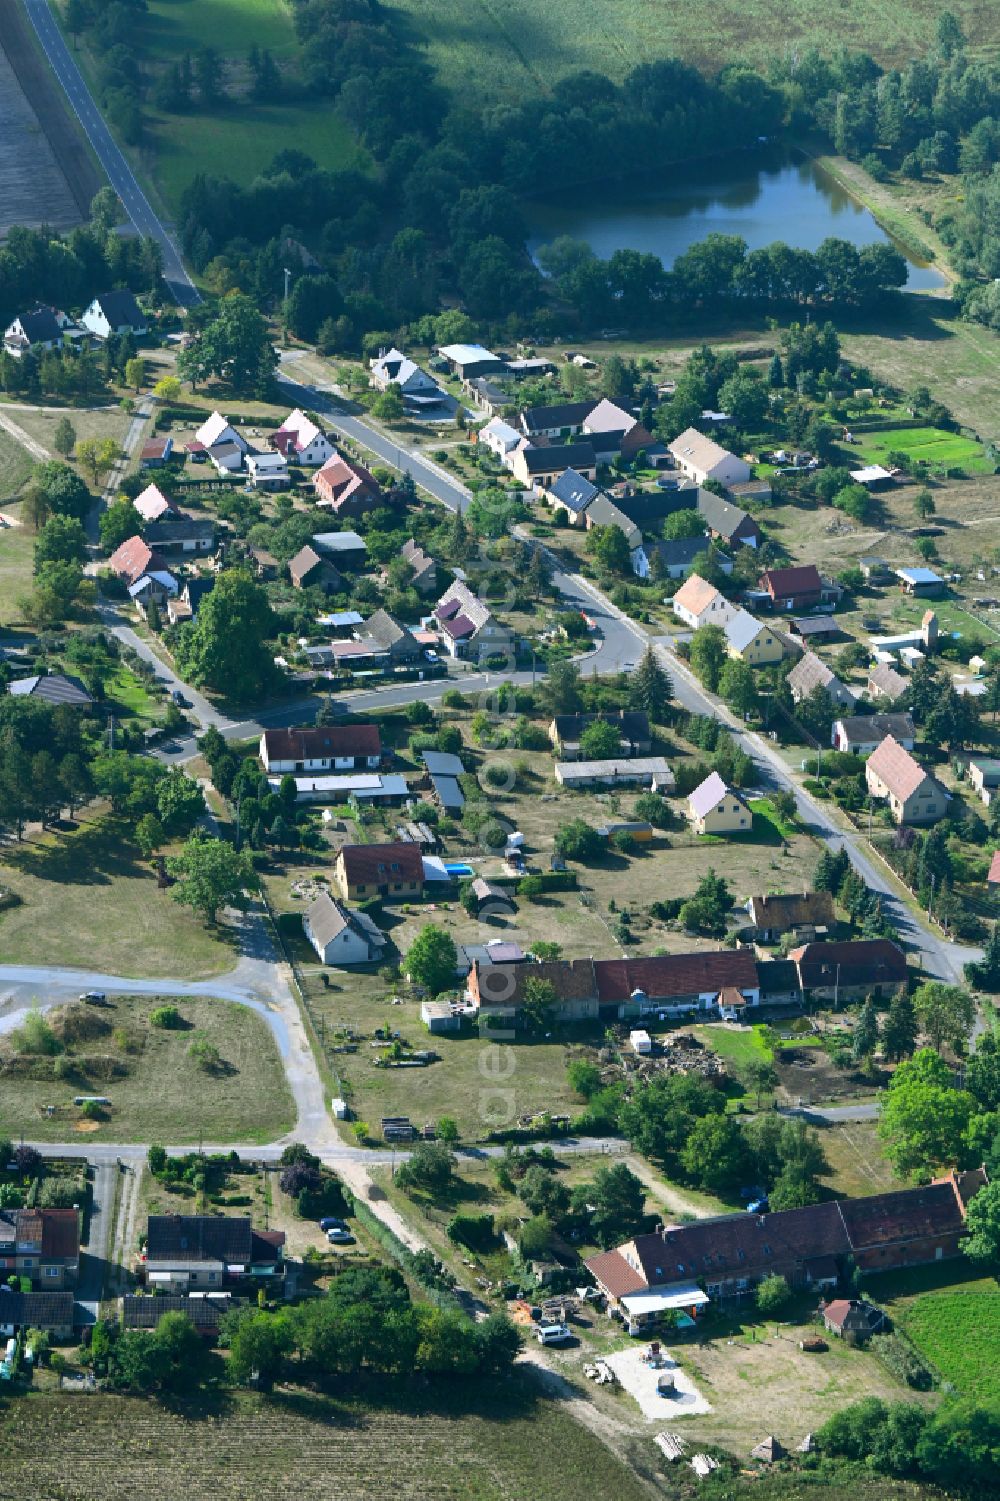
(934, 445)
(158, 1092)
(17, 551)
(173, 27)
(239, 141)
(129, 693)
(738, 1047)
(959, 1332)
(89, 901)
(16, 465)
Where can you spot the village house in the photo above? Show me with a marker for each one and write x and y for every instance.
(863, 733)
(537, 468)
(205, 1310)
(300, 441)
(469, 627)
(726, 522)
(794, 588)
(335, 747)
(614, 432)
(571, 494)
(115, 313)
(185, 606)
(52, 688)
(392, 871)
(603, 512)
(346, 488)
(207, 1251)
(810, 673)
(501, 989)
(341, 936)
(227, 458)
(216, 430)
(635, 737)
(393, 368)
(500, 438)
(914, 796)
(53, 1312)
(805, 913)
(698, 603)
(750, 641)
(309, 570)
(675, 558)
(702, 459)
(268, 471)
(134, 558)
(850, 970)
(383, 635)
(155, 588)
(41, 329)
(641, 771)
(153, 505)
(177, 532)
(854, 1320)
(677, 983)
(155, 453)
(715, 808)
(564, 420)
(424, 576)
(42, 1245)
(729, 1256)
(885, 682)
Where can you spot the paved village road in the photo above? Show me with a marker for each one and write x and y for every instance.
(120, 174)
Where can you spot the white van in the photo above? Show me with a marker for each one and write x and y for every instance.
(552, 1334)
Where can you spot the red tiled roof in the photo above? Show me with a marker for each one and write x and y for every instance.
(504, 984)
(614, 1274)
(323, 740)
(380, 863)
(60, 1233)
(993, 879)
(671, 975)
(896, 768)
(907, 1214)
(134, 558)
(782, 582)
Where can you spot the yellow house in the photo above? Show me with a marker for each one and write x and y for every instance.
(715, 808)
(751, 641)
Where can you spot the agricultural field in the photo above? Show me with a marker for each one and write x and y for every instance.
(437, 1444)
(958, 1331)
(540, 44)
(158, 1091)
(112, 918)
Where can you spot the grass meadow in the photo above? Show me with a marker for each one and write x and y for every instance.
(158, 1092)
(87, 884)
(959, 1332)
(937, 447)
(178, 26)
(17, 551)
(509, 47)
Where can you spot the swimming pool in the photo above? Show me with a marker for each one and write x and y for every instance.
(458, 870)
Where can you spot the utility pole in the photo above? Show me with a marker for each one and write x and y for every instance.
(288, 277)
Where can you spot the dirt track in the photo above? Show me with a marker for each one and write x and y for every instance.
(49, 177)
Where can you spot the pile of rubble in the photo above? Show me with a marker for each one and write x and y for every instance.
(677, 1053)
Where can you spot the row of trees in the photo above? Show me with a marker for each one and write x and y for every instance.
(366, 1322)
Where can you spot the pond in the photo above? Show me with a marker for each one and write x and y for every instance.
(763, 196)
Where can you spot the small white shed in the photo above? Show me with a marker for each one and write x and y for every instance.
(641, 1042)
